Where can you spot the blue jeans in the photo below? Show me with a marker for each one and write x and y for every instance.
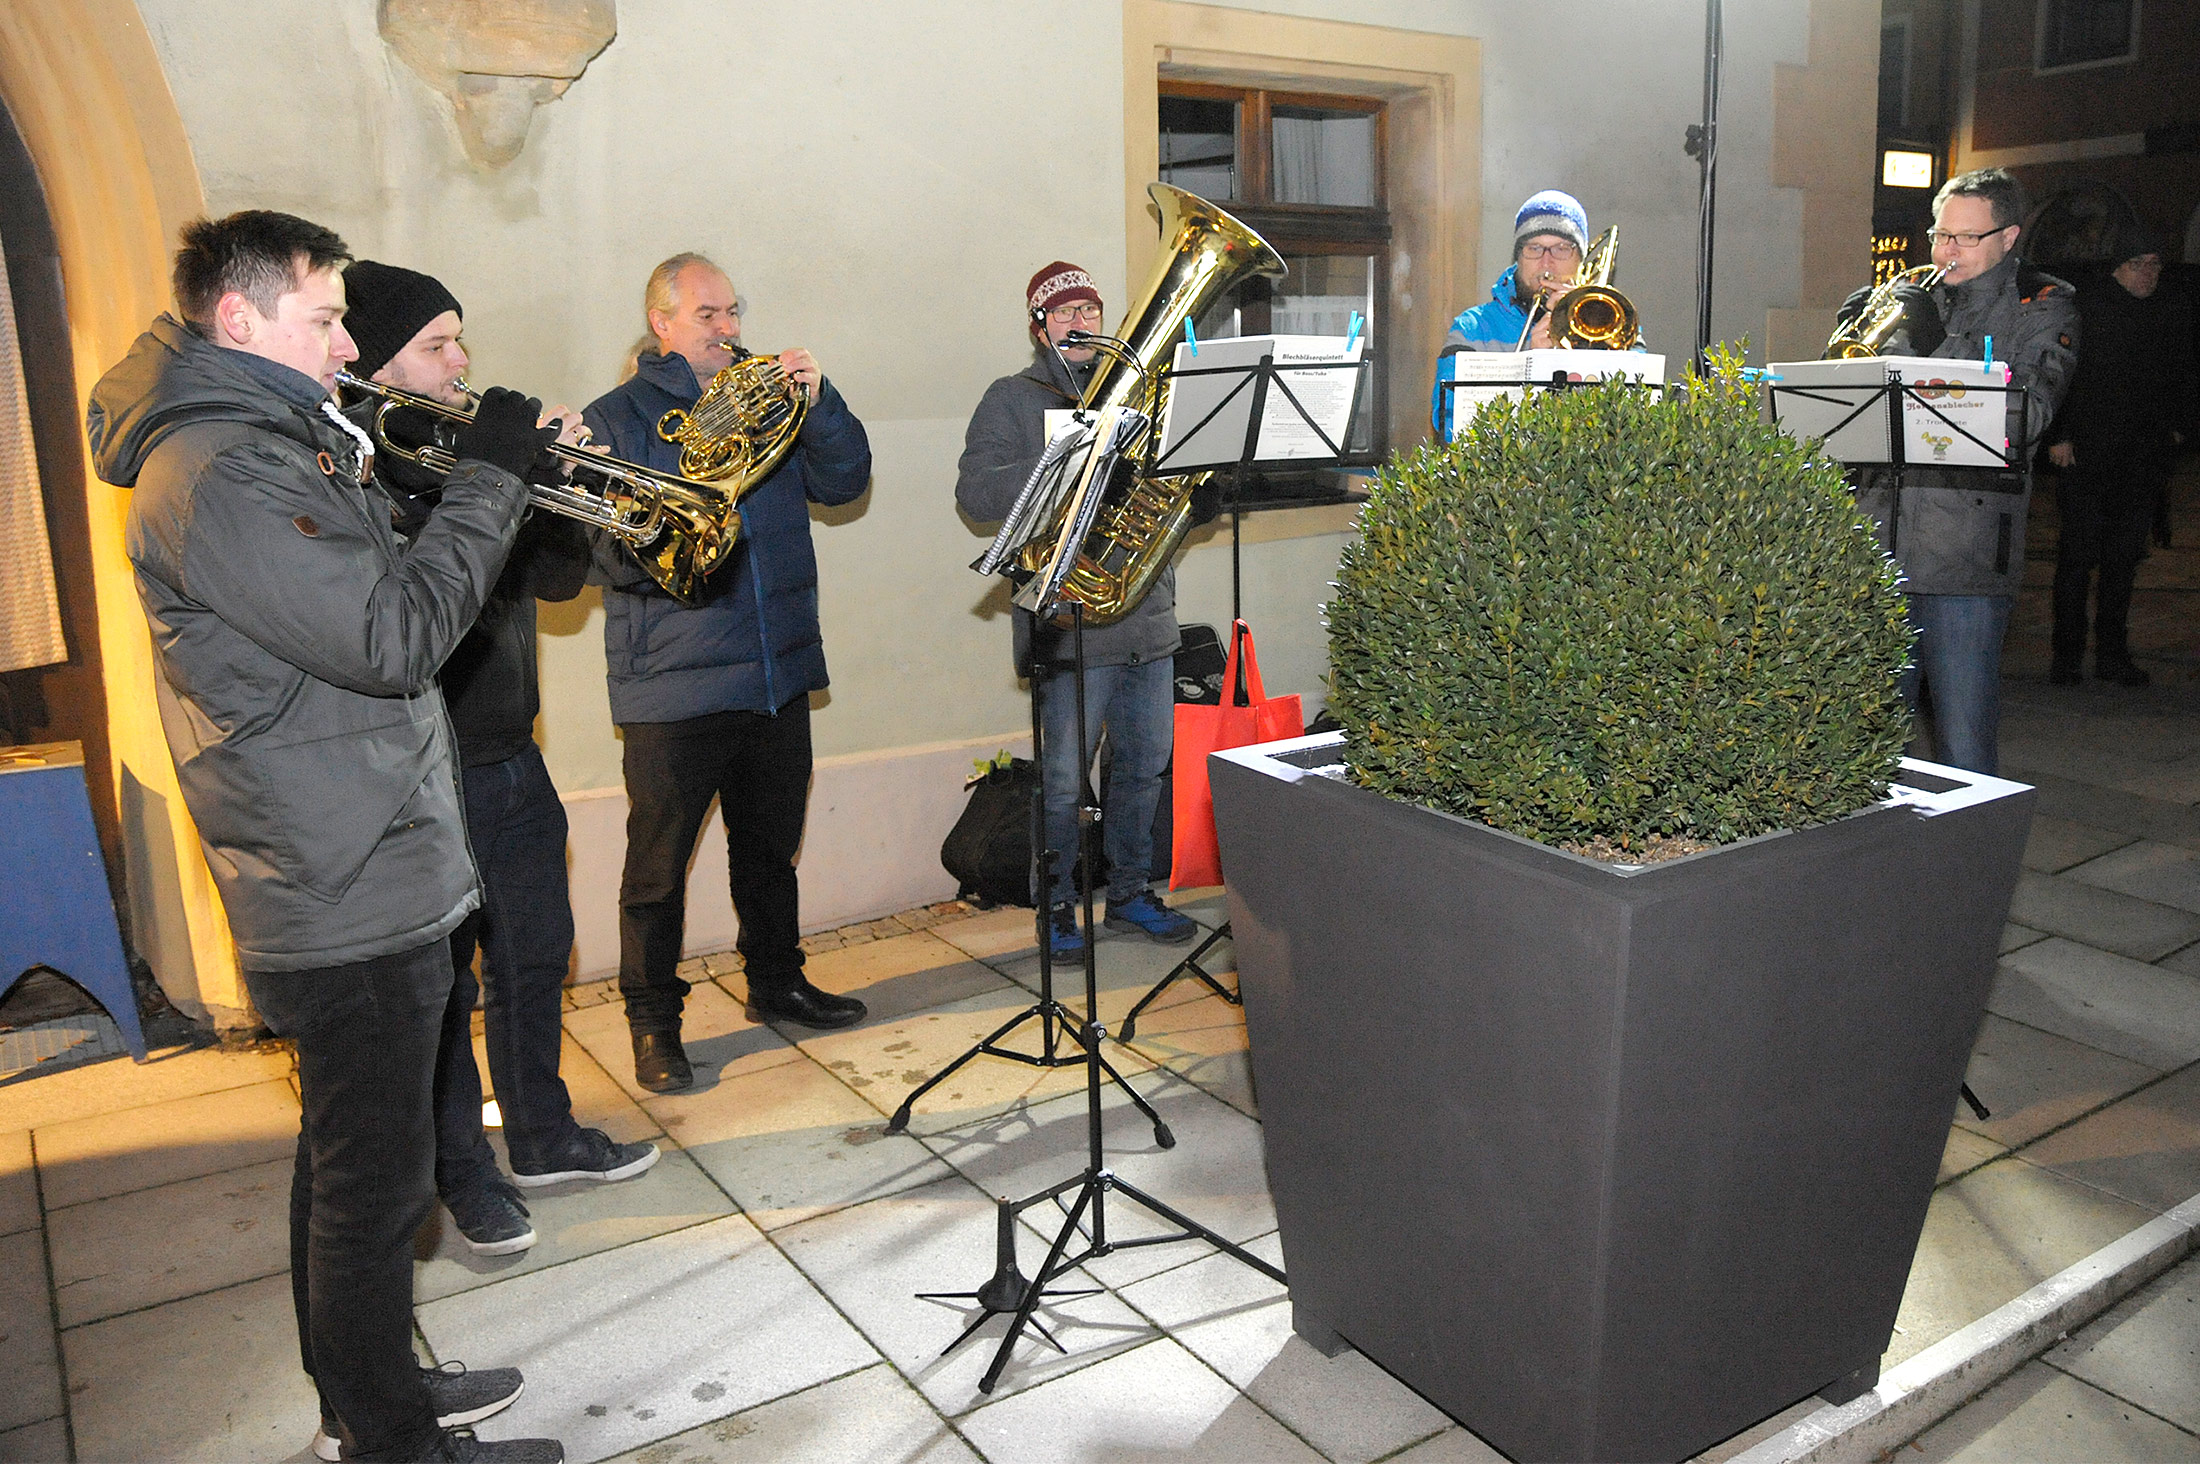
(1958, 655)
(1137, 707)
(366, 1040)
(524, 929)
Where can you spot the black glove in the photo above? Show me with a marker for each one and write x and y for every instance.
(1853, 306)
(503, 433)
(1206, 502)
(1921, 330)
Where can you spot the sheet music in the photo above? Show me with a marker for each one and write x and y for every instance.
(1514, 367)
(1941, 414)
(1205, 422)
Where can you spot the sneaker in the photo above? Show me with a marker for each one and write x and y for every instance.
(460, 1397)
(1065, 942)
(588, 1154)
(1142, 914)
(491, 1218)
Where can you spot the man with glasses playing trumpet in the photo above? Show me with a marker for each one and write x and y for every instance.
(406, 325)
(1960, 534)
(711, 689)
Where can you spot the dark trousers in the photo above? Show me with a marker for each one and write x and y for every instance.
(365, 1034)
(524, 931)
(757, 766)
(2107, 509)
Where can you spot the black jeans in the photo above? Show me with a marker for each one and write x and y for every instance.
(366, 1040)
(2107, 508)
(757, 766)
(524, 930)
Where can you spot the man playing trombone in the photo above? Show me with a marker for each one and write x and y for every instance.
(406, 325)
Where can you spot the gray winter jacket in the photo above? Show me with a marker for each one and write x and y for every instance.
(297, 640)
(1006, 435)
(1960, 531)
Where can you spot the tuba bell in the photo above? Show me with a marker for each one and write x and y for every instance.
(1141, 519)
(1881, 317)
(1592, 316)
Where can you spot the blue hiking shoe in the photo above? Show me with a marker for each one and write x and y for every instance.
(1065, 942)
(1142, 914)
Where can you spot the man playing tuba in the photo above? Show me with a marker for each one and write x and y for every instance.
(713, 698)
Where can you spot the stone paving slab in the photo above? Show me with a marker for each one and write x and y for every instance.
(35, 1443)
(1453, 1446)
(160, 1143)
(155, 1245)
(2055, 844)
(2034, 1081)
(30, 1367)
(1992, 1235)
(870, 1417)
(2121, 1006)
(579, 1218)
(2106, 919)
(2146, 1349)
(900, 974)
(1154, 1402)
(2038, 1413)
(211, 1377)
(874, 1259)
(175, 1072)
(2145, 1149)
(718, 1039)
(2163, 873)
(1201, 1038)
(1964, 1152)
(629, 1345)
(1238, 1322)
(792, 1141)
(18, 1183)
(2112, 809)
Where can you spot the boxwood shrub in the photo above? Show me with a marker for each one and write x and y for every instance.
(1602, 615)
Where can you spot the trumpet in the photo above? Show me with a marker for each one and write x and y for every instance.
(1874, 326)
(679, 529)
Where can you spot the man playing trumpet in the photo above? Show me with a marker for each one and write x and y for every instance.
(407, 328)
(713, 697)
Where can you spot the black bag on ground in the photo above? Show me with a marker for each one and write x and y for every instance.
(989, 849)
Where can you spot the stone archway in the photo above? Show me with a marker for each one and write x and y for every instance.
(93, 107)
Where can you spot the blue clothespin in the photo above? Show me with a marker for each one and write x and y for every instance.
(1989, 352)
(1191, 337)
(1758, 373)
(1352, 333)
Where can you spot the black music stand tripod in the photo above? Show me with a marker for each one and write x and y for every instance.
(1258, 380)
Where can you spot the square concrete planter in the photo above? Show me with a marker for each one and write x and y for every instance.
(1609, 1163)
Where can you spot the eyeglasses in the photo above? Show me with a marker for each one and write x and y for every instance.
(1963, 241)
(1085, 310)
(1547, 251)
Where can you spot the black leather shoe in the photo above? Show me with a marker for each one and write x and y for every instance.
(2123, 673)
(661, 1063)
(807, 1005)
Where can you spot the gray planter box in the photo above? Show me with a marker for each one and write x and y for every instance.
(1608, 1163)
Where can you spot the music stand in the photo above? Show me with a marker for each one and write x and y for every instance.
(1496, 374)
(1257, 447)
(1007, 1289)
(1086, 449)
(1866, 412)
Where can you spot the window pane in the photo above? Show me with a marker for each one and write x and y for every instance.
(1199, 146)
(1324, 157)
(2085, 30)
(1318, 297)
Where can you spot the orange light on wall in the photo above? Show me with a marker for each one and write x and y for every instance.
(1906, 169)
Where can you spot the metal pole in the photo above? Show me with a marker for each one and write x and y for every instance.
(1703, 145)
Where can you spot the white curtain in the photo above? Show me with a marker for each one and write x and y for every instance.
(1325, 160)
(30, 612)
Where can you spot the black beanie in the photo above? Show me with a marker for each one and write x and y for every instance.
(388, 306)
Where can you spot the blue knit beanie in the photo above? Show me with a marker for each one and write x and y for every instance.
(1551, 212)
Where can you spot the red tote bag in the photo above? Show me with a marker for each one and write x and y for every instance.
(1196, 859)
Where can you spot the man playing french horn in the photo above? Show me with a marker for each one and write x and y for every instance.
(712, 692)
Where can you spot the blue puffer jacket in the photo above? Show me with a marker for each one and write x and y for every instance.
(1494, 325)
(753, 644)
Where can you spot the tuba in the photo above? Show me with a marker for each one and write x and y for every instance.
(1592, 316)
(1142, 519)
(680, 530)
(1881, 317)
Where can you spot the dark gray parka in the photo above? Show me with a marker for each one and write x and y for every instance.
(1960, 531)
(297, 641)
(1007, 434)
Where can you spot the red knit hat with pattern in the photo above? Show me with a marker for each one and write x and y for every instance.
(1060, 283)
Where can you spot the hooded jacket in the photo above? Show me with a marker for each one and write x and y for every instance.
(1960, 531)
(297, 642)
(753, 644)
(1497, 324)
(1006, 436)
